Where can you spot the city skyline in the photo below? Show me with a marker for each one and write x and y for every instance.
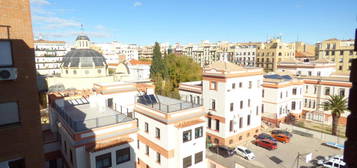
(160, 21)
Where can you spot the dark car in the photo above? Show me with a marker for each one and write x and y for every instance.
(222, 150)
(287, 133)
(265, 143)
(266, 136)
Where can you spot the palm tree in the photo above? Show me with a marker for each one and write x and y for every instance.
(337, 105)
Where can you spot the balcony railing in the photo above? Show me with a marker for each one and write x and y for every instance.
(82, 125)
(167, 108)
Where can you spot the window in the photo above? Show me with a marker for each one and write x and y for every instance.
(315, 89)
(250, 84)
(240, 122)
(233, 85)
(187, 162)
(342, 92)
(65, 147)
(209, 122)
(340, 68)
(217, 125)
(327, 91)
(147, 150)
(232, 106)
(213, 105)
(157, 133)
(198, 132)
(123, 155)
(294, 91)
(281, 95)
(248, 102)
(103, 161)
(332, 52)
(241, 104)
(9, 112)
(340, 60)
(71, 156)
(293, 104)
(5, 53)
(351, 52)
(341, 52)
(198, 157)
(309, 73)
(262, 108)
(187, 136)
(305, 104)
(263, 93)
(213, 85)
(138, 144)
(257, 111)
(240, 84)
(158, 157)
(248, 120)
(146, 127)
(231, 125)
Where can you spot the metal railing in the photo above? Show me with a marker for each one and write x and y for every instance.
(82, 125)
(170, 107)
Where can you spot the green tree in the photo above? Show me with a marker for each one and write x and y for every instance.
(337, 105)
(157, 65)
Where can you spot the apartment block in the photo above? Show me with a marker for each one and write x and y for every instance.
(203, 53)
(272, 52)
(20, 126)
(319, 67)
(49, 55)
(339, 51)
(232, 96)
(245, 55)
(282, 98)
(172, 133)
(317, 90)
(97, 130)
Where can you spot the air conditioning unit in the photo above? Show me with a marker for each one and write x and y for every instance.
(8, 73)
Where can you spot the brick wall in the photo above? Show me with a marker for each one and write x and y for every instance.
(24, 139)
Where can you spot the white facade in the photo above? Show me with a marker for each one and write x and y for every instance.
(139, 70)
(114, 51)
(319, 67)
(48, 56)
(245, 55)
(282, 97)
(191, 92)
(237, 100)
(168, 139)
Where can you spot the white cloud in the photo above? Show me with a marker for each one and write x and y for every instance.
(137, 3)
(52, 22)
(40, 2)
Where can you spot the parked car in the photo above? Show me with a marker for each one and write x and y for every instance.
(266, 136)
(245, 153)
(287, 133)
(281, 138)
(327, 158)
(265, 143)
(222, 150)
(334, 163)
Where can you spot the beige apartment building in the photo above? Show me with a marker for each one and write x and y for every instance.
(339, 51)
(272, 52)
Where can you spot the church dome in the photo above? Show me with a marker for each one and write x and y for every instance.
(83, 58)
(82, 37)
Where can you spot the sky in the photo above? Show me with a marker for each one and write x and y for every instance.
(190, 21)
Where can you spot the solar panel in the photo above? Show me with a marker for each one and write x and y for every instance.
(153, 99)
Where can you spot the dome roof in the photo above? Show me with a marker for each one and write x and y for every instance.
(83, 58)
(82, 37)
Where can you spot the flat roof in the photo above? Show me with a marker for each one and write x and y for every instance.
(81, 115)
(167, 104)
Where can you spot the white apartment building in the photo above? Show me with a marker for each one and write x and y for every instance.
(139, 70)
(172, 133)
(96, 130)
(317, 90)
(282, 95)
(48, 56)
(320, 67)
(245, 54)
(232, 96)
(203, 53)
(115, 52)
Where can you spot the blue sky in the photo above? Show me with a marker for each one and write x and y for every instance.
(146, 21)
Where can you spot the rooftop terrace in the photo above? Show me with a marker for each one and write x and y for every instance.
(80, 115)
(165, 104)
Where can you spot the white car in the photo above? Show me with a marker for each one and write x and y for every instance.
(244, 152)
(327, 158)
(334, 163)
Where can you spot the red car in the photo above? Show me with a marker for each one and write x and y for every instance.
(265, 143)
